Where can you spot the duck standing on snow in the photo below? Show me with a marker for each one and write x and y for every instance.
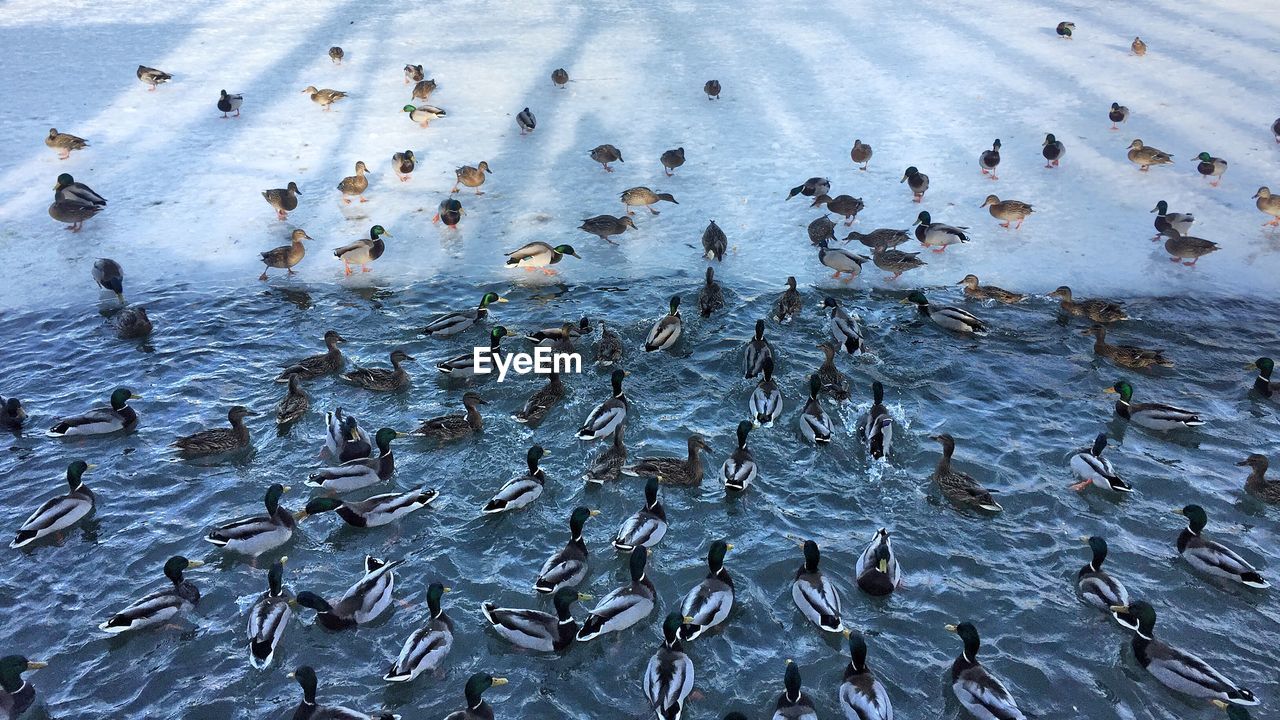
(1053, 150)
(310, 368)
(1064, 29)
(403, 163)
(560, 77)
(1138, 47)
(1257, 483)
(1091, 468)
(59, 513)
(862, 696)
(765, 404)
(1186, 246)
(535, 255)
(937, 236)
(363, 252)
(383, 379)
(861, 154)
(1154, 416)
(284, 200)
(1095, 585)
(413, 74)
(67, 188)
(946, 316)
(668, 678)
(255, 535)
(455, 322)
(472, 177)
(1129, 356)
(229, 102)
(821, 231)
(666, 331)
(712, 89)
(711, 295)
(450, 212)
(523, 489)
(605, 226)
(608, 416)
(423, 114)
(423, 87)
(286, 256)
(355, 185)
(1211, 557)
(108, 274)
(526, 121)
(1095, 309)
(708, 603)
(714, 242)
(876, 427)
(812, 187)
(789, 303)
(1269, 204)
(842, 261)
(815, 424)
(1117, 114)
(324, 97)
(161, 605)
(647, 526)
(959, 487)
(217, 440)
(1211, 167)
(880, 238)
(624, 606)
(1145, 156)
(362, 603)
(673, 471)
(980, 692)
(605, 154)
(1007, 210)
(1168, 223)
(535, 629)
(989, 160)
(988, 292)
(917, 181)
(64, 143)
(360, 472)
(877, 568)
(672, 159)
(568, 566)
(152, 77)
(845, 206)
(74, 202)
(269, 617)
(336, 54)
(100, 421)
(428, 646)
(896, 261)
(815, 595)
(644, 197)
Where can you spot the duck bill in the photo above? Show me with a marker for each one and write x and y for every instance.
(195, 564)
(36, 664)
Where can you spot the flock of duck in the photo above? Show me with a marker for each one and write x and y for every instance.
(360, 459)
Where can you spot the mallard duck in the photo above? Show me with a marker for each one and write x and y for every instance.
(815, 595)
(862, 696)
(1129, 356)
(644, 197)
(1007, 210)
(1269, 204)
(454, 427)
(538, 254)
(1186, 246)
(624, 606)
(295, 403)
(255, 535)
(668, 678)
(472, 177)
(1138, 47)
(59, 513)
(766, 400)
(66, 188)
(284, 200)
(526, 121)
(714, 242)
(559, 77)
(16, 694)
(217, 440)
(884, 238)
(989, 160)
(1144, 156)
(758, 350)
(1096, 586)
(793, 704)
(708, 603)
(666, 331)
(860, 154)
(1175, 668)
(362, 603)
(672, 159)
(568, 566)
(309, 709)
(403, 163)
(12, 414)
(324, 97)
(1064, 29)
(833, 381)
(455, 322)
(812, 187)
(1095, 309)
(465, 364)
(413, 73)
(423, 88)
(988, 292)
(132, 323)
(450, 212)
(535, 629)
(374, 511)
(896, 261)
(428, 646)
(228, 102)
(605, 226)
(980, 692)
(605, 154)
(108, 274)
(382, 379)
(539, 405)
(64, 143)
(1275, 129)
(673, 471)
(710, 296)
(336, 54)
(951, 318)
(1091, 468)
(877, 569)
(938, 235)
(423, 114)
(1263, 384)
(363, 252)
(520, 490)
(153, 77)
(360, 471)
(959, 487)
(100, 421)
(842, 261)
(354, 186)
(1117, 114)
(1167, 223)
(845, 206)
(1211, 167)
(286, 256)
(712, 89)
(917, 181)
(1053, 150)
(72, 212)
(815, 424)
(1155, 416)
(647, 526)
(561, 334)
(477, 708)
(161, 605)
(314, 366)
(875, 428)
(608, 464)
(1211, 557)
(1256, 484)
(789, 302)
(269, 617)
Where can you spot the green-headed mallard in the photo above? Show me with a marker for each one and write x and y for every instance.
(539, 405)
(374, 511)
(217, 440)
(605, 154)
(284, 200)
(355, 185)
(1091, 468)
(1009, 211)
(286, 256)
(363, 252)
(309, 709)
(1117, 114)
(1269, 204)
(1211, 167)
(1145, 156)
(980, 692)
(815, 424)
(427, 647)
(108, 274)
(559, 77)
(1064, 29)
(324, 97)
(959, 487)
(1129, 356)
(608, 415)
(1096, 586)
(1095, 309)
(260, 533)
(269, 617)
(1168, 223)
(161, 605)
(132, 323)
(153, 77)
(842, 261)
(360, 472)
(862, 696)
(64, 143)
(453, 427)
(877, 570)
(714, 242)
(100, 421)
(846, 206)
(673, 470)
(423, 114)
(765, 404)
(362, 603)
(455, 322)
(228, 102)
(526, 121)
(1138, 47)
(938, 235)
(16, 694)
(789, 303)
(708, 603)
(608, 464)
(1211, 557)
(1263, 384)
(814, 594)
(538, 254)
(860, 154)
(413, 73)
(875, 428)
(793, 704)
(314, 366)
(710, 295)
(880, 238)
(624, 606)
(295, 403)
(672, 159)
(604, 226)
(536, 629)
(472, 177)
(712, 89)
(1175, 668)
(758, 349)
(989, 160)
(382, 379)
(59, 513)
(812, 187)
(988, 292)
(917, 181)
(477, 708)
(644, 197)
(1186, 246)
(896, 261)
(666, 330)
(833, 381)
(1155, 416)
(450, 212)
(647, 526)
(12, 414)
(951, 318)
(1053, 150)
(520, 490)
(668, 678)
(1257, 483)
(465, 364)
(403, 163)
(72, 212)
(67, 188)
(568, 567)
(336, 54)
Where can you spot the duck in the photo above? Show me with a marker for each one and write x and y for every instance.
(450, 212)
(309, 709)
(540, 404)
(101, 421)
(608, 464)
(355, 185)
(1145, 156)
(1129, 356)
(989, 160)
(1095, 309)
(885, 238)
(712, 89)
(286, 256)
(256, 535)
(861, 154)
(561, 335)
(284, 200)
(521, 490)
(793, 704)
(877, 570)
(1117, 114)
(72, 212)
(132, 323)
(917, 181)
(833, 381)
(845, 206)
(765, 404)
(896, 261)
(161, 605)
(363, 252)
(1138, 47)
(324, 97)
(1096, 586)
(937, 236)
(875, 428)
(814, 594)
(423, 87)
(647, 526)
(362, 603)
(568, 566)
(710, 296)
(465, 364)
(666, 330)
(454, 427)
(862, 695)
(989, 292)
(822, 231)
(1185, 246)
(1211, 167)
(714, 242)
(1275, 129)
(108, 274)
(606, 226)
(672, 159)
(217, 440)
(228, 102)
(526, 121)
(429, 645)
(708, 603)
(538, 254)
(1167, 223)
(1007, 210)
(269, 617)
(413, 73)
(472, 177)
(980, 692)
(815, 424)
(535, 629)
(12, 414)
(453, 323)
(403, 164)
(1263, 384)
(959, 487)
(624, 606)
(1052, 150)
(67, 188)
(315, 366)
(1176, 668)
(423, 114)
(1064, 29)
(1211, 557)
(758, 349)
(64, 143)
(360, 472)
(374, 511)
(477, 708)
(812, 187)
(668, 678)
(294, 405)
(1091, 468)
(670, 470)
(560, 77)
(1154, 416)
(336, 54)
(17, 694)
(344, 438)
(789, 303)
(1269, 204)
(382, 379)
(61, 512)
(842, 261)
(644, 197)
(1257, 483)
(605, 154)
(152, 77)
(946, 316)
